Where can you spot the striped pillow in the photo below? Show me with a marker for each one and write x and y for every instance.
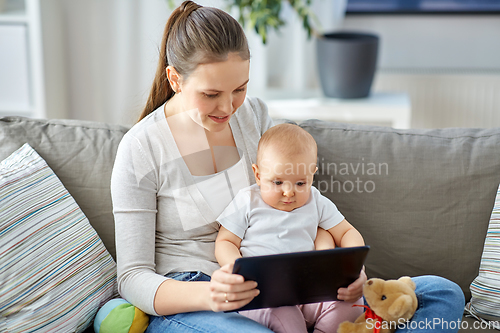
(55, 272)
(485, 289)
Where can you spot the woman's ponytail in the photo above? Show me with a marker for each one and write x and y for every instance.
(161, 91)
(193, 35)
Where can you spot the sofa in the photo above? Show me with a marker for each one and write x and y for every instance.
(422, 198)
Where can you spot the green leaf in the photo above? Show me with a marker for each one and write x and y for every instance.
(260, 15)
(171, 4)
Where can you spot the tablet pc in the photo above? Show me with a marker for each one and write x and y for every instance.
(301, 277)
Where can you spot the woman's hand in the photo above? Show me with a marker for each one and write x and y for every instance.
(229, 291)
(355, 290)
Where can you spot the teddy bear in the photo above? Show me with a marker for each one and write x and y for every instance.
(390, 303)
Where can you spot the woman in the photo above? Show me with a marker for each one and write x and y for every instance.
(180, 165)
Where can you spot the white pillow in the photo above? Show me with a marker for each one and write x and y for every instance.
(55, 272)
(485, 289)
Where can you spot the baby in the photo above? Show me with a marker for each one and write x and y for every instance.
(282, 213)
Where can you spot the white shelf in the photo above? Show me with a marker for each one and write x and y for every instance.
(15, 87)
(19, 112)
(13, 18)
(21, 50)
(379, 108)
(13, 11)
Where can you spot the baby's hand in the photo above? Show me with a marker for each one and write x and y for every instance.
(354, 291)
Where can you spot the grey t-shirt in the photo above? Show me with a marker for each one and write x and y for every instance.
(162, 221)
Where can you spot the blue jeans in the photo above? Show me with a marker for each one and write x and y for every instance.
(202, 321)
(440, 306)
(440, 309)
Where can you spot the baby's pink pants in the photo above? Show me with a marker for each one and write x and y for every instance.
(324, 317)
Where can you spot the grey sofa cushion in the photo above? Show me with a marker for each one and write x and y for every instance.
(421, 198)
(80, 153)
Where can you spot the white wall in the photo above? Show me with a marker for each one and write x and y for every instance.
(434, 41)
(111, 53)
(449, 66)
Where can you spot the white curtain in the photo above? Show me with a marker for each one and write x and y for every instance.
(111, 51)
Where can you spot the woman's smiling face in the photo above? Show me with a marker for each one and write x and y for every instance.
(214, 91)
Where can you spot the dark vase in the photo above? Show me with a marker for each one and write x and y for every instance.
(347, 63)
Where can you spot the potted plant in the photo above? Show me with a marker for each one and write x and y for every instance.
(261, 15)
(346, 60)
(347, 63)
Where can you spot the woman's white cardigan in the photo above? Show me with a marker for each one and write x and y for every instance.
(162, 222)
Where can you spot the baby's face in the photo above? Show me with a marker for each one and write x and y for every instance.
(285, 182)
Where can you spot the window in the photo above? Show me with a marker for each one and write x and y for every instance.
(423, 7)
